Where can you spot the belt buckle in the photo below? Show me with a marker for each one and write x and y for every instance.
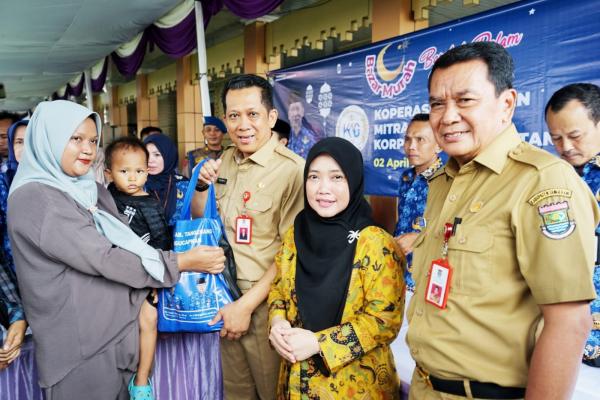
(424, 375)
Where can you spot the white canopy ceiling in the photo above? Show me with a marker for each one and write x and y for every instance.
(46, 43)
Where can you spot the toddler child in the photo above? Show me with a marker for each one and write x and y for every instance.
(127, 165)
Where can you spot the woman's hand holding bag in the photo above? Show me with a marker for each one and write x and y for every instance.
(209, 259)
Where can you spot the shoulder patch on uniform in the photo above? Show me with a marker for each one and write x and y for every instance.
(544, 194)
(531, 155)
(556, 223)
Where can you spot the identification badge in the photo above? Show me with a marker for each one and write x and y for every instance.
(243, 230)
(438, 285)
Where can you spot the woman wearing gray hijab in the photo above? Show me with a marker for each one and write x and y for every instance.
(81, 270)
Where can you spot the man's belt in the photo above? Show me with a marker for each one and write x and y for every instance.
(480, 390)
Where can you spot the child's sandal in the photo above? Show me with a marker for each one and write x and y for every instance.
(140, 392)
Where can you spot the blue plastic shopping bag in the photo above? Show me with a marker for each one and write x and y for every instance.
(194, 301)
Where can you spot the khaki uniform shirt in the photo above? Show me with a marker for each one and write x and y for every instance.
(274, 178)
(526, 238)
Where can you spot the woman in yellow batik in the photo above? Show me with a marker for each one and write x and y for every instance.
(337, 301)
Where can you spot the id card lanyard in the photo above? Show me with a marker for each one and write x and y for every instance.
(243, 223)
(440, 273)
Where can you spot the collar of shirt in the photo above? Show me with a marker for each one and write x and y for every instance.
(433, 168)
(262, 155)
(591, 165)
(494, 156)
(409, 174)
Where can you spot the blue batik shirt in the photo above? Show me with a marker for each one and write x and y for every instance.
(591, 176)
(411, 208)
(302, 142)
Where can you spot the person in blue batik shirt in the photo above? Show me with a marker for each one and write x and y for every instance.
(422, 152)
(301, 138)
(573, 118)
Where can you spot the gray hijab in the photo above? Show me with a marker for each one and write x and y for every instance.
(47, 135)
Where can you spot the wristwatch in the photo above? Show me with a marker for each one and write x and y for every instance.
(201, 187)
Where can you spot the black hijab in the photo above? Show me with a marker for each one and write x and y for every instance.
(326, 246)
(164, 184)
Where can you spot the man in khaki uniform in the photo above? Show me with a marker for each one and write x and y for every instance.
(259, 178)
(522, 247)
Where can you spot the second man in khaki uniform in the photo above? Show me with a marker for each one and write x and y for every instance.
(259, 189)
(511, 318)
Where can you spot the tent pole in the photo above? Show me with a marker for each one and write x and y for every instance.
(202, 63)
(88, 89)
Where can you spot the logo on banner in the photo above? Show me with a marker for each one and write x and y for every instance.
(429, 56)
(325, 100)
(309, 94)
(353, 125)
(384, 82)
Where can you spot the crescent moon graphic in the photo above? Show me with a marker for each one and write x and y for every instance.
(386, 74)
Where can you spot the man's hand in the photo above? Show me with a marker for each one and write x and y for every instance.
(12, 345)
(210, 259)
(405, 242)
(236, 320)
(279, 328)
(210, 171)
(303, 343)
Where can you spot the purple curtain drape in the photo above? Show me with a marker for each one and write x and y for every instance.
(71, 90)
(210, 8)
(187, 367)
(176, 41)
(77, 89)
(179, 40)
(129, 65)
(250, 9)
(98, 83)
(55, 96)
(19, 380)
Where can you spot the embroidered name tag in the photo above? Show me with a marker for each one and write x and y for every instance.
(544, 194)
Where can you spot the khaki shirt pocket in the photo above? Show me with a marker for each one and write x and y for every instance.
(470, 256)
(264, 227)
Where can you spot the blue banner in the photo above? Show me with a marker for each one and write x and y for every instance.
(369, 95)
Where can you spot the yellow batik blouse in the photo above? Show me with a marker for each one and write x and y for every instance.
(357, 352)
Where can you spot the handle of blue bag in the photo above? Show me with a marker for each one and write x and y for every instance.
(210, 208)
